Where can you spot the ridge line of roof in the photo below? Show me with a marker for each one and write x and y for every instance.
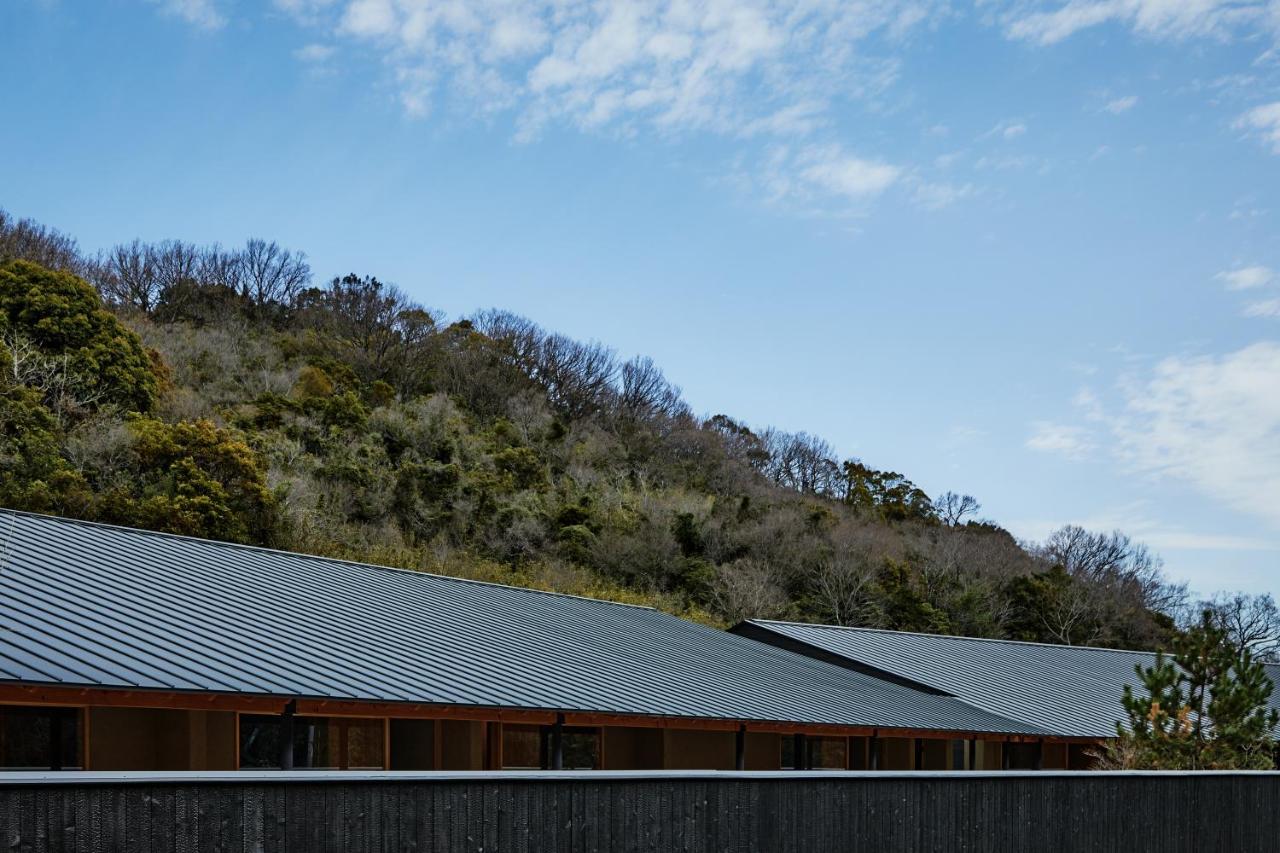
(950, 636)
(237, 545)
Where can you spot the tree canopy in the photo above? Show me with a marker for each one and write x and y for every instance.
(1206, 708)
(223, 392)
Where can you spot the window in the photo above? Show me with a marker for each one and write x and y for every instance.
(319, 743)
(581, 749)
(522, 748)
(530, 748)
(828, 753)
(821, 753)
(40, 738)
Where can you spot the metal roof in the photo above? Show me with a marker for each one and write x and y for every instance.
(95, 605)
(1068, 690)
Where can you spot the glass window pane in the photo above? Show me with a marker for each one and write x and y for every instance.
(857, 753)
(40, 738)
(788, 753)
(26, 741)
(828, 753)
(315, 743)
(365, 744)
(259, 741)
(581, 749)
(522, 747)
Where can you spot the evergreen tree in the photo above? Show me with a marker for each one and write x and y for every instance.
(1207, 711)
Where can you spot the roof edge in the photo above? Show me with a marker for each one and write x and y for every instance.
(767, 622)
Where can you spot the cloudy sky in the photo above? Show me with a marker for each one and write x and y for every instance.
(1027, 249)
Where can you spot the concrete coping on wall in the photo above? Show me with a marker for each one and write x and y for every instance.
(261, 777)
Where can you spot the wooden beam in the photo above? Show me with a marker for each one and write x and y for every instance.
(112, 697)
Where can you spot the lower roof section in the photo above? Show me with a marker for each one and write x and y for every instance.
(1071, 691)
(94, 606)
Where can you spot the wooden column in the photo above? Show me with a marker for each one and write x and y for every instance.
(286, 736)
(557, 743)
(740, 749)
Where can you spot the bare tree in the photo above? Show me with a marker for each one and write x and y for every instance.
(953, 509)
(577, 376)
(842, 581)
(1119, 584)
(126, 276)
(645, 393)
(1252, 621)
(28, 240)
(221, 268)
(747, 589)
(271, 274)
(175, 263)
(800, 461)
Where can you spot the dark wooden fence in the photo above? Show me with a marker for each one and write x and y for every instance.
(574, 812)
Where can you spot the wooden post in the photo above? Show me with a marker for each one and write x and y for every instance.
(740, 749)
(557, 743)
(1039, 755)
(873, 760)
(55, 739)
(801, 750)
(286, 736)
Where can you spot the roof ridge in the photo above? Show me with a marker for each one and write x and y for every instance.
(951, 636)
(317, 557)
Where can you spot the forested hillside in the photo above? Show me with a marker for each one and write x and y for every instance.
(226, 393)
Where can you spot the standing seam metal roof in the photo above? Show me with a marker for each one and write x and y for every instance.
(1068, 690)
(94, 605)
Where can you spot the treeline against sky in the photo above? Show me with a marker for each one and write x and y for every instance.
(225, 392)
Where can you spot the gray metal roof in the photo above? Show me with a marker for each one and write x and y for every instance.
(89, 604)
(1069, 690)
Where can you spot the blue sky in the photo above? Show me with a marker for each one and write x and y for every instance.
(1024, 249)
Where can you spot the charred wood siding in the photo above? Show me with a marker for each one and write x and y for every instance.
(958, 812)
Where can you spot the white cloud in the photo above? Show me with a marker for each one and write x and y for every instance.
(1211, 421)
(1050, 21)
(1263, 308)
(759, 72)
(759, 66)
(834, 171)
(933, 196)
(1264, 122)
(314, 53)
(1007, 129)
(1116, 106)
(1246, 278)
(200, 13)
(1136, 520)
(1072, 442)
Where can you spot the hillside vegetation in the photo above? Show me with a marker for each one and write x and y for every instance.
(226, 394)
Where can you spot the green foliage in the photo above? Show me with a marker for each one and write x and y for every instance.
(885, 493)
(487, 448)
(83, 354)
(313, 382)
(1204, 709)
(904, 604)
(33, 473)
(194, 478)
